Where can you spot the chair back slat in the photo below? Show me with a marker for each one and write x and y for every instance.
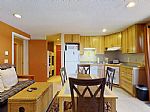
(90, 94)
(83, 69)
(110, 72)
(63, 75)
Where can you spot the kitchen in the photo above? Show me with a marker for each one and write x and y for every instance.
(118, 50)
(107, 33)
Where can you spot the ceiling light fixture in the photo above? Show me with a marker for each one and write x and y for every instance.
(130, 4)
(104, 30)
(17, 16)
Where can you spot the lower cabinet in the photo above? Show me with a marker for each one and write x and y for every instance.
(126, 80)
(97, 70)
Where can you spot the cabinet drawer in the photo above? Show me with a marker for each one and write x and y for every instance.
(129, 71)
(127, 86)
(128, 78)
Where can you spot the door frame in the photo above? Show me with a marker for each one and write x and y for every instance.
(25, 51)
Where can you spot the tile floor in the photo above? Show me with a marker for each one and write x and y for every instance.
(125, 102)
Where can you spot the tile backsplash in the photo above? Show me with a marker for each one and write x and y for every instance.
(137, 58)
(90, 56)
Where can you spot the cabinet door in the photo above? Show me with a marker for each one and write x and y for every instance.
(94, 41)
(100, 45)
(140, 38)
(131, 40)
(113, 40)
(124, 41)
(68, 38)
(76, 38)
(87, 42)
(82, 44)
(119, 36)
(108, 41)
(122, 76)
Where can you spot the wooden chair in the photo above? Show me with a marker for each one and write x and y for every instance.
(90, 94)
(83, 69)
(63, 75)
(110, 77)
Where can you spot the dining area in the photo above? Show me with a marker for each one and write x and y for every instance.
(85, 92)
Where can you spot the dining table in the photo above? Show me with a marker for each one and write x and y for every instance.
(109, 96)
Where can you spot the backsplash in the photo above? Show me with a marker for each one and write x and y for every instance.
(90, 56)
(137, 58)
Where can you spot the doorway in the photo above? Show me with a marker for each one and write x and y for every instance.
(58, 59)
(24, 48)
(18, 55)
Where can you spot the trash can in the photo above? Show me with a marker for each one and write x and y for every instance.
(142, 92)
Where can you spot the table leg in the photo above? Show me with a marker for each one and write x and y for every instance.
(61, 105)
(113, 105)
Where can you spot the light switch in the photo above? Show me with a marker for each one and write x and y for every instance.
(5, 60)
(6, 53)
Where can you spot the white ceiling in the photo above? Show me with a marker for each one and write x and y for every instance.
(86, 17)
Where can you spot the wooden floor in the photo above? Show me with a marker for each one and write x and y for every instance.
(56, 80)
(125, 102)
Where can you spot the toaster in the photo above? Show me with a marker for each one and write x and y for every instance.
(115, 61)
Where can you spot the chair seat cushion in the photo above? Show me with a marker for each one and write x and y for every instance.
(15, 89)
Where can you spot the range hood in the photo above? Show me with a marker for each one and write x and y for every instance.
(113, 48)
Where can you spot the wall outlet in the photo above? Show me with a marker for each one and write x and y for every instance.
(5, 60)
(6, 53)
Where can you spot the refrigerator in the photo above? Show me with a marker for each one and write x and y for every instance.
(72, 58)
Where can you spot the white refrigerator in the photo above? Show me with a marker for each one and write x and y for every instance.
(72, 58)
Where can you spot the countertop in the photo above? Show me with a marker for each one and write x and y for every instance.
(129, 65)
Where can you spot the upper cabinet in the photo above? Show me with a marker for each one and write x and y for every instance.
(82, 44)
(113, 40)
(133, 39)
(71, 38)
(96, 42)
(124, 41)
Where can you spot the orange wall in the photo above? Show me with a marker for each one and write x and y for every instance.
(6, 40)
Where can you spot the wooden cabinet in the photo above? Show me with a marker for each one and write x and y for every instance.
(88, 43)
(108, 41)
(133, 39)
(126, 80)
(96, 42)
(71, 38)
(35, 101)
(113, 40)
(124, 41)
(82, 44)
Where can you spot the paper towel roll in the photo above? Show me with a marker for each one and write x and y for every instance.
(97, 60)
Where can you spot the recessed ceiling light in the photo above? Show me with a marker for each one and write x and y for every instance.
(104, 30)
(17, 16)
(130, 4)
